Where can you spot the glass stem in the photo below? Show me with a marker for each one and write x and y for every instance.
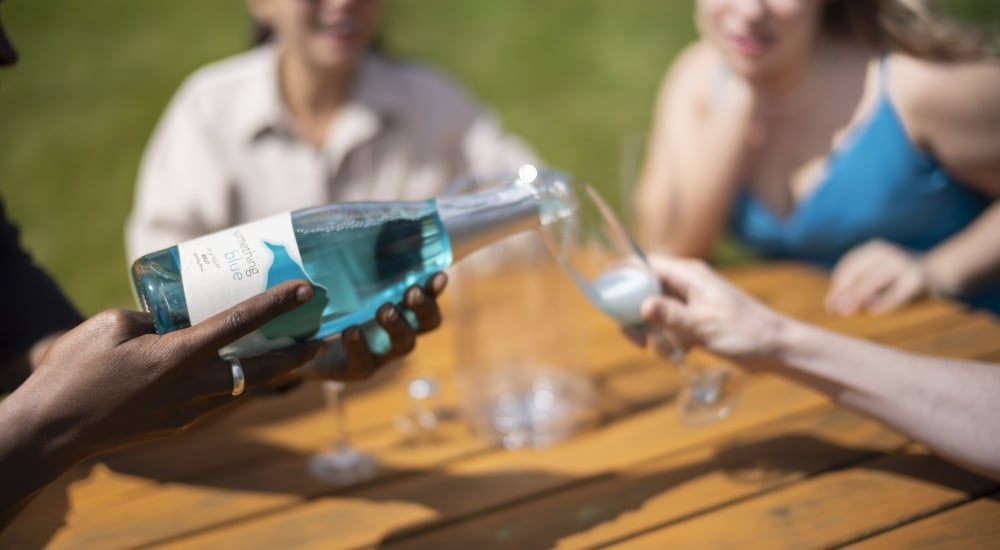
(666, 345)
(341, 440)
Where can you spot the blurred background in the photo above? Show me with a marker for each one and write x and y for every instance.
(574, 78)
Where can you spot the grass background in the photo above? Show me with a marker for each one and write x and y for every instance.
(576, 78)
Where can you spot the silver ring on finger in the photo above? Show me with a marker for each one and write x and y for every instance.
(239, 378)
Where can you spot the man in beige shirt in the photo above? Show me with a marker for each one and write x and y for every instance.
(228, 149)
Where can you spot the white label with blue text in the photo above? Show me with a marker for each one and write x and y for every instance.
(222, 269)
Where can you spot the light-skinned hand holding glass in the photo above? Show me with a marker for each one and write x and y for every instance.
(950, 405)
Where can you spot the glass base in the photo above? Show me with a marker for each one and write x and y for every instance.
(342, 466)
(711, 396)
(530, 407)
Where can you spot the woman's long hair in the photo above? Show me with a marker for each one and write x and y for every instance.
(906, 26)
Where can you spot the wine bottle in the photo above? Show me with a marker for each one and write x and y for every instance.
(358, 256)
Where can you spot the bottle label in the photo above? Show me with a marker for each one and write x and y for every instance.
(222, 269)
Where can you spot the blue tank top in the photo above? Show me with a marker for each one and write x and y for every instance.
(876, 184)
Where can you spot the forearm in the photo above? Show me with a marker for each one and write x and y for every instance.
(703, 211)
(29, 459)
(969, 258)
(684, 205)
(949, 405)
(702, 137)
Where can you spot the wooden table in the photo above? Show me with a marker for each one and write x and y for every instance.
(787, 470)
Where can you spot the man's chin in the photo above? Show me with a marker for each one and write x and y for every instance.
(333, 57)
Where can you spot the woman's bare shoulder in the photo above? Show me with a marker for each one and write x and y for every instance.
(953, 110)
(931, 93)
(690, 73)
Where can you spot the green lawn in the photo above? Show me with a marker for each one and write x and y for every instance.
(575, 78)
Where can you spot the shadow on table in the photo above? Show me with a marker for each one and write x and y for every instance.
(498, 517)
(589, 504)
(183, 459)
(204, 455)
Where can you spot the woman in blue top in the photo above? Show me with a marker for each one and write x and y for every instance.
(863, 136)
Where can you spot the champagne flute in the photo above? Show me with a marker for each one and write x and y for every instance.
(342, 463)
(604, 261)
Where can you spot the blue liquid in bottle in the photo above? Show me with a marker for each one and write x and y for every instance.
(358, 256)
(365, 262)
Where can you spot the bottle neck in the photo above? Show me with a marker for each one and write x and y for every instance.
(476, 220)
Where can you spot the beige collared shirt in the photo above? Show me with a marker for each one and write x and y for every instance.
(225, 152)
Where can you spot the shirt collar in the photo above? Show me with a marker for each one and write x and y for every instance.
(372, 103)
(262, 110)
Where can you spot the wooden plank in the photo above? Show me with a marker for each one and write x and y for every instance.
(923, 318)
(226, 445)
(672, 488)
(179, 507)
(972, 525)
(485, 481)
(828, 510)
(799, 291)
(767, 279)
(978, 336)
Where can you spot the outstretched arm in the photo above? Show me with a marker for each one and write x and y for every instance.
(950, 405)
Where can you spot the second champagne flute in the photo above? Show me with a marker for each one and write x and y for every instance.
(342, 463)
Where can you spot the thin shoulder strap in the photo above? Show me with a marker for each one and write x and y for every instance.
(883, 74)
(717, 88)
